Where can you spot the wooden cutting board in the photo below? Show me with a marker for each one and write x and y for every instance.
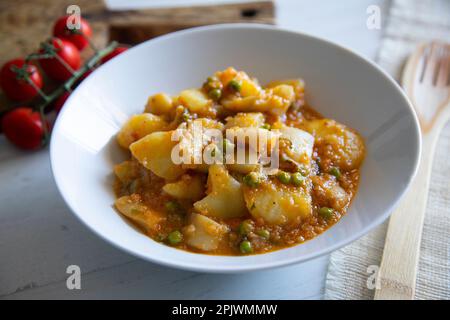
(25, 24)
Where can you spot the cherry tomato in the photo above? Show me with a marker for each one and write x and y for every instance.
(16, 88)
(59, 103)
(23, 127)
(65, 51)
(79, 37)
(114, 53)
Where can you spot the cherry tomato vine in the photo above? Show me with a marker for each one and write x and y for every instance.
(59, 58)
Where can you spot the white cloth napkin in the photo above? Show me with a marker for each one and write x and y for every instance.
(408, 23)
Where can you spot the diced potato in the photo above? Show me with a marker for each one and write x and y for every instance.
(133, 208)
(224, 199)
(243, 120)
(159, 104)
(275, 101)
(257, 139)
(195, 100)
(328, 193)
(204, 233)
(344, 147)
(227, 75)
(284, 91)
(190, 187)
(138, 126)
(126, 171)
(297, 84)
(249, 87)
(278, 204)
(301, 144)
(208, 123)
(154, 152)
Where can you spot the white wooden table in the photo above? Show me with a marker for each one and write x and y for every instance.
(40, 238)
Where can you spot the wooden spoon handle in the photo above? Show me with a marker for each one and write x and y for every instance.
(397, 274)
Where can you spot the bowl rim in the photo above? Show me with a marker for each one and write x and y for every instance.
(188, 265)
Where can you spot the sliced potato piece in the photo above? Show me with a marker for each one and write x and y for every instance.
(224, 199)
(138, 126)
(258, 139)
(301, 144)
(249, 87)
(195, 100)
(278, 204)
(328, 193)
(243, 120)
(343, 147)
(204, 233)
(159, 104)
(297, 84)
(226, 75)
(126, 171)
(154, 152)
(133, 208)
(275, 101)
(189, 187)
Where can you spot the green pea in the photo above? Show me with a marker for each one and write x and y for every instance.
(245, 227)
(173, 207)
(215, 94)
(326, 213)
(284, 177)
(210, 79)
(175, 237)
(235, 85)
(266, 126)
(264, 233)
(335, 172)
(251, 180)
(297, 179)
(246, 247)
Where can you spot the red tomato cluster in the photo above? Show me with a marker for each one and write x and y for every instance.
(22, 81)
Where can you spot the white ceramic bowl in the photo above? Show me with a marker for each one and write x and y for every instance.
(339, 84)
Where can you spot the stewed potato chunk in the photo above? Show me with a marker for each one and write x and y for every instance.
(244, 120)
(278, 204)
(138, 126)
(204, 233)
(225, 198)
(337, 143)
(328, 193)
(159, 104)
(154, 152)
(189, 187)
(133, 208)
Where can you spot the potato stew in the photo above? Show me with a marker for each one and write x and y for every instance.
(294, 177)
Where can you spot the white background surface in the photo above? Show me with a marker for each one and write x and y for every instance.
(39, 237)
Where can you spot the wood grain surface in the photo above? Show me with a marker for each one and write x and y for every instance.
(25, 24)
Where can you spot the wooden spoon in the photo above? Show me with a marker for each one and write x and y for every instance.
(426, 82)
